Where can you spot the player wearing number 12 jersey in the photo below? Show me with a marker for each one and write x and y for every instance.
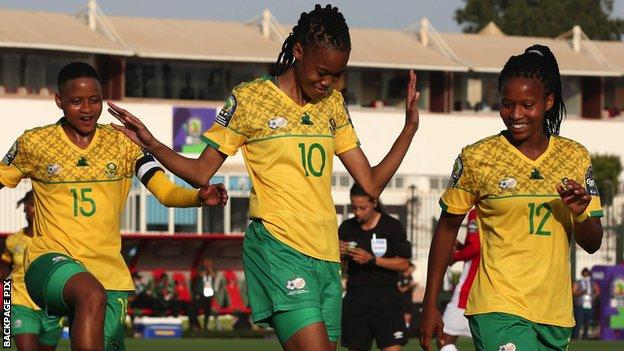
(533, 190)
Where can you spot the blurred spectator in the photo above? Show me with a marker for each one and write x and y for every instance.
(183, 298)
(585, 292)
(164, 290)
(203, 288)
(144, 297)
(406, 287)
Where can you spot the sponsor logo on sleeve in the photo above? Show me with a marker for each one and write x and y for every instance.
(10, 156)
(590, 183)
(226, 113)
(458, 169)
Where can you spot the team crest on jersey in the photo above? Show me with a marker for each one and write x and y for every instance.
(10, 156)
(111, 170)
(53, 169)
(507, 183)
(507, 347)
(226, 113)
(458, 169)
(379, 246)
(590, 183)
(277, 123)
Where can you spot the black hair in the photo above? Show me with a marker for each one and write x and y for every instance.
(76, 70)
(357, 190)
(539, 62)
(27, 197)
(323, 25)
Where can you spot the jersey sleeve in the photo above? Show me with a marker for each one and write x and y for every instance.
(472, 246)
(346, 138)
(228, 133)
(16, 164)
(594, 209)
(462, 192)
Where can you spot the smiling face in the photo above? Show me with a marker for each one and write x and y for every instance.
(81, 102)
(523, 106)
(317, 68)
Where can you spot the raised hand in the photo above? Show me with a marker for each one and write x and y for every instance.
(574, 196)
(411, 101)
(213, 195)
(132, 127)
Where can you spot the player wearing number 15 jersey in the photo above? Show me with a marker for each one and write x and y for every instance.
(81, 174)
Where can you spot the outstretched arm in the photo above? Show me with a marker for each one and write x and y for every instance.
(172, 195)
(196, 172)
(439, 255)
(374, 179)
(587, 231)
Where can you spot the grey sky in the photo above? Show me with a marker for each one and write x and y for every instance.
(392, 14)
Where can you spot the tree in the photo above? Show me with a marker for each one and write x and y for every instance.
(544, 18)
(607, 169)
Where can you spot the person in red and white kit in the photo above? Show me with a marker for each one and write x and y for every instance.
(455, 323)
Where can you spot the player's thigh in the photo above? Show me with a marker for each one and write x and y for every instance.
(24, 320)
(502, 332)
(46, 278)
(116, 308)
(553, 338)
(278, 277)
(328, 276)
(51, 329)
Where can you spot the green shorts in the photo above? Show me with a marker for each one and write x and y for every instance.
(25, 320)
(287, 289)
(499, 331)
(45, 280)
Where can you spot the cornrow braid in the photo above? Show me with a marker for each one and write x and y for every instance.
(539, 62)
(324, 26)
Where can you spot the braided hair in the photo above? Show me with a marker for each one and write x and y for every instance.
(323, 25)
(539, 62)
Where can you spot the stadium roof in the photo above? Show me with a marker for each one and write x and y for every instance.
(487, 53)
(53, 31)
(204, 40)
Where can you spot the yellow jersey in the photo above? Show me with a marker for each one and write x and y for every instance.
(525, 226)
(13, 254)
(80, 195)
(288, 151)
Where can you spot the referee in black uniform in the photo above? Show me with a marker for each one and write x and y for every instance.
(375, 249)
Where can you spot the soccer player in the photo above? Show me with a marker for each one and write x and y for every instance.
(375, 249)
(81, 174)
(455, 323)
(30, 326)
(289, 125)
(533, 191)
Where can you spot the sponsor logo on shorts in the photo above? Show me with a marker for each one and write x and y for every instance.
(58, 259)
(18, 323)
(507, 347)
(398, 335)
(296, 286)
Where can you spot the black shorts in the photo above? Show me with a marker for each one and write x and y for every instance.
(369, 314)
